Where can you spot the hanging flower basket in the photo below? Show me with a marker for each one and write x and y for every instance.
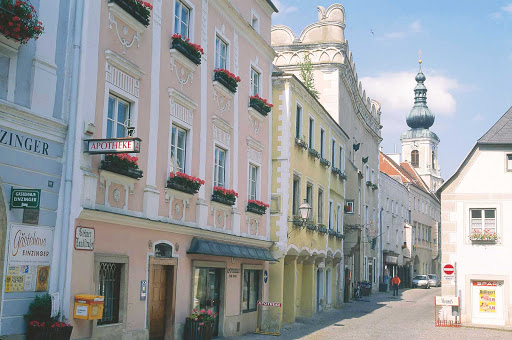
(224, 196)
(199, 325)
(188, 49)
(185, 183)
(138, 9)
(226, 78)
(122, 164)
(18, 21)
(257, 207)
(259, 104)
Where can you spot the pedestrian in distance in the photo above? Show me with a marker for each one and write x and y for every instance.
(395, 282)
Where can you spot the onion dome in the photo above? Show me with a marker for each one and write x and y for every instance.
(420, 116)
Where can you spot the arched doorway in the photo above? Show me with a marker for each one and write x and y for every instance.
(3, 234)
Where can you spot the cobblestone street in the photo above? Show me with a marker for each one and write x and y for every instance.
(382, 316)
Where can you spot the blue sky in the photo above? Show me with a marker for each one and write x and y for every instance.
(467, 59)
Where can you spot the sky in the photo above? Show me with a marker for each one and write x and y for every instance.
(467, 60)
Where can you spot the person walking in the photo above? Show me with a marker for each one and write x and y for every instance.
(395, 282)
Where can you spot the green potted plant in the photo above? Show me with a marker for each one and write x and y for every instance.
(199, 325)
(259, 104)
(190, 50)
(226, 78)
(122, 164)
(18, 21)
(41, 325)
(183, 182)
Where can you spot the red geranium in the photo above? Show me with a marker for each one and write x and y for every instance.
(259, 203)
(227, 73)
(186, 177)
(12, 16)
(225, 192)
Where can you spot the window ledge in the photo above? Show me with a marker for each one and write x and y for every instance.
(117, 178)
(255, 114)
(178, 194)
(222, 89)
(127, 18)
(183, 60)
(9, 44)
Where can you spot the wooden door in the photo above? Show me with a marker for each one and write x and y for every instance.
(157, 295)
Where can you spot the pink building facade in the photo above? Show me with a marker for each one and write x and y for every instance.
(160, 245)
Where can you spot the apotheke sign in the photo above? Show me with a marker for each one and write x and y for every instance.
(114, 145)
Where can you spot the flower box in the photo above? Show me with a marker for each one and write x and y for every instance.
(301, 143)
(185, 183)
(224, 196)
(332, 232)
(199, 325)
(375, 186)
(227, 79)
(122, 164)
(311, 226)
(259, 104)
(297, 221)
(138, 9)
(343, 175)
(257, 207)
(485, 237)
(347, 209)
(325, 162)
(340, 235)
(57, 331)
(314, 153)
(369, 183)
(18, 21)
(188, 49)
(322, 229)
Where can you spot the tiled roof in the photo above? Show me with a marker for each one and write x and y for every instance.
(501, 132)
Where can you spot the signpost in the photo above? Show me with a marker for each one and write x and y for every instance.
(25, 198)
(113, 145)
(448, 269)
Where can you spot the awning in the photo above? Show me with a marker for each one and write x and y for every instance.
(207, 247)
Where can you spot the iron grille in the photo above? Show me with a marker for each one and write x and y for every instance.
(109, 287)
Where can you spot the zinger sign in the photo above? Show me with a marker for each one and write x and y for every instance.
(113, 145)
(30, 245)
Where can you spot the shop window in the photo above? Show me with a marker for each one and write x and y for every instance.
(178, 149)
(182, 19)
(110, 288)
(250, 290)
(118, 117)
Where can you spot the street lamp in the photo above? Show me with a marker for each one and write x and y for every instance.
(305, 210)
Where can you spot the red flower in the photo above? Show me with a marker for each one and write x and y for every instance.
(259, 203)
(16, 18)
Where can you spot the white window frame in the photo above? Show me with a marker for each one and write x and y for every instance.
(312, 186)
(175, 168)
(301, 118)
(322, 142)
(218, 34)
(367, 173)
(483, 219)
(254, 67)
(299, 179)
(311, 132)
(320, 205)
(115, 121)
(256, 181)
(351, 205)
(333, 153)
(226, 170)
(508, 162)
(10, 52)
(191, 9)
(342, 161)
(338, 218)
(176, 98)
(331, 215)
(255, 15)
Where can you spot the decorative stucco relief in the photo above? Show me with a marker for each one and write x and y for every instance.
(122, 80)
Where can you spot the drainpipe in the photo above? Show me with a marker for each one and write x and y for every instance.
(68, 176)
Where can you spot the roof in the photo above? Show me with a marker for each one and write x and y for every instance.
(500, 132)
(273, 6)
(207, 247)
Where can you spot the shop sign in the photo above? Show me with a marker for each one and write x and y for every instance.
(269, 304)
(487, 283)
(113, 145)
(84, 238)
(233, 272)
(30, 245)
(391, 259)
(25, 198)
(447, 301)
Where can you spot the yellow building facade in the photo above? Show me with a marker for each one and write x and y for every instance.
(308, 164)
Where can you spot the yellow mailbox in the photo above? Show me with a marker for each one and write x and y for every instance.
(89, 307)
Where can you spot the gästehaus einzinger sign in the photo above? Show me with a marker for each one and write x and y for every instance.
(114, 145)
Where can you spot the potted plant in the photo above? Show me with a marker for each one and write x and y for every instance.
(18, 21)
(138, 9)
(259, 104)
(311, 225)
(369, 183)
(226, 78)
(199, 325)
(322, 228)
(40, 323)
(332, 232)
(257, 207)
(340, 235)
(347, 208)
(297, 221)
(301, 142)
(122, 164)
(314, 153)
(375, 186)
(486, 236)
(325, 162)
(183, 182)
(224, 196)
(343, 175)
(188, 49)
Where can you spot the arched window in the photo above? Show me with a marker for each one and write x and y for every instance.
(415, 158)
(163, 250)
(433, 160)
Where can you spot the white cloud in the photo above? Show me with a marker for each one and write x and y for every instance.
(414, 27)
(283, 9)
(395, 92)
(508, 8)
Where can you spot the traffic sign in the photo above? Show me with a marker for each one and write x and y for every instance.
(25, 198)
(448, 269)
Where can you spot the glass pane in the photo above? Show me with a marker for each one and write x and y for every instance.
(177, 17)
(111, 107)
(180, 160)
(200, 288)
(254, 289)
(121, 131)
(490, 213)
(181, 139)
(476, 213)
(184, 29)
(184, 14)
(122, 112)
(245, 291)
(110, 128)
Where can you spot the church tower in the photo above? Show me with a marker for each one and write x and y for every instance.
(419, 144)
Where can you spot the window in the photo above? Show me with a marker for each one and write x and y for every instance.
(219, 177)
(341, 163)
(320, 206)
(367, 173)
(365, 264)
(392, 207)
(253, 182)
(483, 220)
(330, 215)
(4, 76)
(338, 219)
(298, 122)
(373, 176)
(255, 82)
(350, 205)
(255, 22)
(366, 215)
(182, 19)
(433, 160)
(415, 158)
(309, 197)
(322, 143)
(509, 162)
(117, 118)
(311, 133)
(333, 154)
(221, 53)
(250, 290)
(387, 204)
(374, 270)
(109, 285)
(296, 196)
(178, 149)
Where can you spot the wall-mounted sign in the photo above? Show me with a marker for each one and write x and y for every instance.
(265, 276)
(391, 259)
(84, 238)
(30, 245)
(25, 198)
(114, 145)
(143, 289)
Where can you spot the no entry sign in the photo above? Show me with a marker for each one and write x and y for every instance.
(448, 269)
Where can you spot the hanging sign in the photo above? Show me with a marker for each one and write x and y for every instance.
(113, 145)
(25, 198)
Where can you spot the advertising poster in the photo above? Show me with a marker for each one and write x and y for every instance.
(487, 300)
(42, 278)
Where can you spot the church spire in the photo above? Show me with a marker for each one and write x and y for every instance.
(420, 116)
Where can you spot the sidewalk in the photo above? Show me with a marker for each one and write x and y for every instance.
(305, 326)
